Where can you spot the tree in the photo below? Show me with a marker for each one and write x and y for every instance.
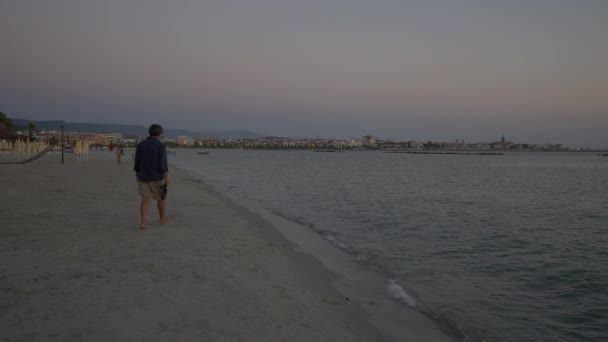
(6, 126)
(8, 123)
(4, 132)
(30, 130)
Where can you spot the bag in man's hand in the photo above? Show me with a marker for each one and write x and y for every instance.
(163, 191)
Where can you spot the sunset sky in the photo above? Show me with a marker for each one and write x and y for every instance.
(533, 70)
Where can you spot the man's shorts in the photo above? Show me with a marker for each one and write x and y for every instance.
(149, 190)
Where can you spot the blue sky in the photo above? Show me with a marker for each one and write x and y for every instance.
(425, 70)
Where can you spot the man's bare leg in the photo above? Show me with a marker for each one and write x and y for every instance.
(162, 211)
(143, 210)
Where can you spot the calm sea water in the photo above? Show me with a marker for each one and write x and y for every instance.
(497, 248)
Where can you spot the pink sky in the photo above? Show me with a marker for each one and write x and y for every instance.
(474, 70)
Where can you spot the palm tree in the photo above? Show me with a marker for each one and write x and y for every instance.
(6, 126)
(8, 123)
(30, 130)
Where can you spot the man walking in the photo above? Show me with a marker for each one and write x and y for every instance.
(152, 173)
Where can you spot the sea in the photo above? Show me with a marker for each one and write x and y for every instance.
(510, 247)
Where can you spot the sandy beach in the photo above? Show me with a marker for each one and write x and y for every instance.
(75, 267)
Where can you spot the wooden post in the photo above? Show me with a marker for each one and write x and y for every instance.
(62, 144)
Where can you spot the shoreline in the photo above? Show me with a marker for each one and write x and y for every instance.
(75, 266)
(388, 306)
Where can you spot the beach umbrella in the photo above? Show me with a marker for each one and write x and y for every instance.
(86, 150)
(83, 150)
(77, 150)
(18, 147)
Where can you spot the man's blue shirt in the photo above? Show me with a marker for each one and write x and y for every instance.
(151, 160)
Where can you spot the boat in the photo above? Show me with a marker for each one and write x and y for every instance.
(202, 152)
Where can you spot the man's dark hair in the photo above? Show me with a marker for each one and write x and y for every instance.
(155, 130)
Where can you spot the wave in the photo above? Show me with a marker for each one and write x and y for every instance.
(398, 293)
(335, 242)
(291, 218)
(325, 234)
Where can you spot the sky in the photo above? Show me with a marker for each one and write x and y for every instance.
(534, 71)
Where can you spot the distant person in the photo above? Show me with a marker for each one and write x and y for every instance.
(152, 173)
(120, 152)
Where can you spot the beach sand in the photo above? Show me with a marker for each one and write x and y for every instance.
(75, 267)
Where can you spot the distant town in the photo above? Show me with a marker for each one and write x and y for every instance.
(366, 142)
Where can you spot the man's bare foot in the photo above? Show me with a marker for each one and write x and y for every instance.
(142, 227)
(164, 221)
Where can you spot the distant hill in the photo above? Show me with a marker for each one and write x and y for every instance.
(130, 130)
